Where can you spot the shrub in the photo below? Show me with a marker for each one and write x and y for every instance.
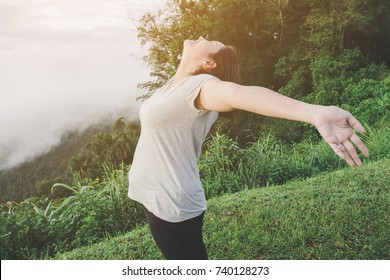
(369, 101)
(218, 165)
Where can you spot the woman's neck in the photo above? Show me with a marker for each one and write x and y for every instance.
(185, 70)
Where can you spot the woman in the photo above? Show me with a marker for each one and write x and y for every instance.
(164, 176)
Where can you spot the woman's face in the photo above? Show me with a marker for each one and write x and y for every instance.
(201, 47)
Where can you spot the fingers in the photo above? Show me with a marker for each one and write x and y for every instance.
(351, 155)
(342, 152)
(347, 150)
(359, 143)
(355, 124)
(338, 149)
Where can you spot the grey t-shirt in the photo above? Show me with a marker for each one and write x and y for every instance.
(164, 175)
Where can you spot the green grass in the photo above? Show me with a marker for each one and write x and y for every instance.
(339, 215)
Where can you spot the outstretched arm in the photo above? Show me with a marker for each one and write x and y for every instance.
(335, 125)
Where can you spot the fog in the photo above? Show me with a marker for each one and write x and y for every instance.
(65, 65)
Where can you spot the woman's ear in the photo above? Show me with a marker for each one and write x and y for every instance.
(209, 65)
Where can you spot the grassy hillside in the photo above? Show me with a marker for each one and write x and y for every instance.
(340, 215)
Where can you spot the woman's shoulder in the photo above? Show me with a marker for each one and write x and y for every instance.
(204, 76)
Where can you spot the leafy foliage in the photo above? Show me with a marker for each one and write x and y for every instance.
(111, 148)
(218, 165)
(310, 50)
(369, 100)
(331, 76)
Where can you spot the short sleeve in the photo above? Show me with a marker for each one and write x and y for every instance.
(195, 85)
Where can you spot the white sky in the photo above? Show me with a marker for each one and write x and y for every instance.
(64, 64)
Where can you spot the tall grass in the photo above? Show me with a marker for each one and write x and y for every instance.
(38, 227)
(226, 168)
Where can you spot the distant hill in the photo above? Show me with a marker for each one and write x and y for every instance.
(31, 177)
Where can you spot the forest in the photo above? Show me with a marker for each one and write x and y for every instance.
(322, 52)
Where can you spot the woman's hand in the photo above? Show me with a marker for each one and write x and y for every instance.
(338, 127)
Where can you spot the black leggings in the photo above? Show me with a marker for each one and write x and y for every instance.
(178, 241)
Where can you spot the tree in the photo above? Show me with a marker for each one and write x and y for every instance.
(278, 42)
(109, 149)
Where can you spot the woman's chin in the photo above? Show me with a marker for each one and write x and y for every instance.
(187, 44)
